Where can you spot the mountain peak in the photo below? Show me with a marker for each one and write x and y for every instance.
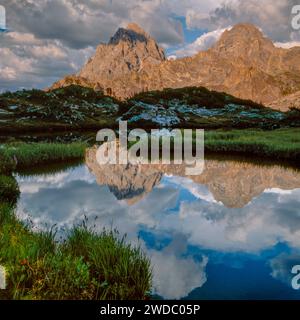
(132, 33)
(129, 49)
(244, 33)
(247, 42)
(246, 27)
(136, 28)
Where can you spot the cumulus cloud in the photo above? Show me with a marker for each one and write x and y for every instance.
(204, 42)
(287, 45)
(29, 62)
(176, 277)
(272, 16)
(83, 23)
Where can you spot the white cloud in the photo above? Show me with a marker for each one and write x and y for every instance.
(287, 45)
(12, 64)
(50, 50)
(204, 42)
(28, 62)
(176, 277)
(83, 23)
(172, 57)
(8, 73)
(273, 16)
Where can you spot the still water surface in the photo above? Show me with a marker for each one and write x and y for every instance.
(231, 233)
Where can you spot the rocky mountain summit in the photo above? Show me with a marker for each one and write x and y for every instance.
(243, 63)
(129, 51)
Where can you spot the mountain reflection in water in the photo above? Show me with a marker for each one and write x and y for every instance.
(232, 232)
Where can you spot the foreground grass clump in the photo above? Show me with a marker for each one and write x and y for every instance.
(121, 270)
(86, 265)
(30, 154)
(7, 164)
(281, 144)
(9, 189)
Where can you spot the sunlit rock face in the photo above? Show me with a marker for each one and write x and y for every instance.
(233, 183)
(129, 51)
(243, 63)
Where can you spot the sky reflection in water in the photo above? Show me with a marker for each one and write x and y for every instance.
(209, 240)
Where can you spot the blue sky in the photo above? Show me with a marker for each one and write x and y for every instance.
(2, 18)
(190, 35)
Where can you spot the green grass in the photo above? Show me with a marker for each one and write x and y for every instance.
(281, 144)
(7, 163)
(86, 265)
(31, 154)
(276, 145)
(9, 189)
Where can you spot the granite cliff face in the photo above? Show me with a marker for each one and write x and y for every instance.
(243, 63)
(233, 183)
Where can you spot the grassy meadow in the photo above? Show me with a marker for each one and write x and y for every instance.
(86, 265)
(281, 144)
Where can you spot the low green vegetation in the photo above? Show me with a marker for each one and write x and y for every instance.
(9, 189)
(30, 154)
(281, 144)
(86, 265)
(7, 163)
(274, 145)
(76, 108)
(71, 108)
(199, 96)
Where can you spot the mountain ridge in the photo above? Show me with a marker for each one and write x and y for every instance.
(243, 63)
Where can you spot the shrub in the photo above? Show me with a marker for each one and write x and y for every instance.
(7, 164)
(121, 271)
(9, 189)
